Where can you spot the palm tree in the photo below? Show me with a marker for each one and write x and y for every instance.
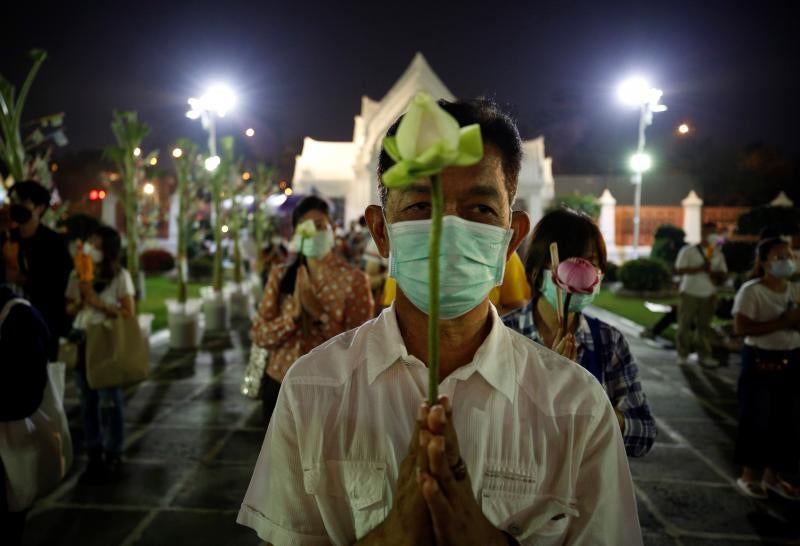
(129, 133)
(185, 171)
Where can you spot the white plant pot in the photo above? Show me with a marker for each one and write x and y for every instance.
(239, 300)
(146, 325)
(184, 323)
(215, 309)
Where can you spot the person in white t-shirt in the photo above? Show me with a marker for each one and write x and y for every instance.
(110, 294)
(766, 312)
(701, 267)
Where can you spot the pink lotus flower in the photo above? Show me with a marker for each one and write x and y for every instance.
(576, 276)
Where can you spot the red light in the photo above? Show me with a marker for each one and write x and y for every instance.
(93, 195)
(101, 194)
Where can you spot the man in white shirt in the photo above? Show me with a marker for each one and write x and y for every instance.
(702, 267)
(530, 451)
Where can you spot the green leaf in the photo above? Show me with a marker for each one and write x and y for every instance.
(397, 176)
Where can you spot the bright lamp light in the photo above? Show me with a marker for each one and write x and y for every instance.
(218, 98)
(149, 189)
(211, 163)
(634, 91)
(641, 162)
(177, 152)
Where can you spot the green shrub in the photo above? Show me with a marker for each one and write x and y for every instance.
(786, 220)
(612, 272)
(739, 255)
(580, 202)
(644, 274)
(201, 268)
(156, 260)
(668, 240)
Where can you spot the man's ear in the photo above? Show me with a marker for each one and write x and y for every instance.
(377, 227)
(521, 224)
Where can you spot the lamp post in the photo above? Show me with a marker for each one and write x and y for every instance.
(217, 100)
(637, 92)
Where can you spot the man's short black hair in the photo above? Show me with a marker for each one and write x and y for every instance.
(497, 128)
(31, 190)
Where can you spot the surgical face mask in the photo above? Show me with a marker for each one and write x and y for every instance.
(577, 302)
(472, 260)
(20, 214)
(95, 254)
(782, 269)
(314, 247)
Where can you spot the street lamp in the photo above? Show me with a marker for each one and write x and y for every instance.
(250, 132)
(637, 92)
(177, 153)
(684, 129)
(218, 99)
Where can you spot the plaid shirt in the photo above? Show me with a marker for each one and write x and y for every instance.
(620, 374)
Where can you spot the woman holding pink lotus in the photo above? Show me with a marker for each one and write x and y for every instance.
(554, 318)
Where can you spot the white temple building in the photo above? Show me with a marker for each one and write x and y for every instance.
(346, 171)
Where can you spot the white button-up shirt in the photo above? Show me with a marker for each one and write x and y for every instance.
(537, 433)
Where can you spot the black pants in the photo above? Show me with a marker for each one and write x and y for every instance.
(269, 396)
(769, 413)
(12, 524)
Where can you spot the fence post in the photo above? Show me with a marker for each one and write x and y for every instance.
(692, 217)
(608, 219)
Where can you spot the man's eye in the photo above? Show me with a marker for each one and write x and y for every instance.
(420, 206)
(485, 209)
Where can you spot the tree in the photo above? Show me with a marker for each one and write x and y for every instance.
(580, 202)
(262, 186)
(14, 149)
(185, 166)
(129, 133)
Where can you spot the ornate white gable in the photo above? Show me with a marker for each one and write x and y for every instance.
(347, 170)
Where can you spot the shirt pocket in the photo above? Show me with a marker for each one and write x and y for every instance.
(359, 485)
(539, 519)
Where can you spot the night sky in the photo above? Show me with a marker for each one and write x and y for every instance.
(301, 69)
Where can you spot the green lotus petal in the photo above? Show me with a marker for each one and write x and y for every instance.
(398, 175)
(408, 130)
(390, 146)
(431, 155)
(470, 146)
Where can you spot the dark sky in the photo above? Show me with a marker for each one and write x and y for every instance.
(301, 68)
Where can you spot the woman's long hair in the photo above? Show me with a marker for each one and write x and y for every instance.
(109, 267)
(573, 231)
(312, 202)
(762, 253)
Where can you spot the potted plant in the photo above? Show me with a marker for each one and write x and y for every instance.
(183, 313)
(238, 293)
(261, 228)
(129, 133)
(215, 304)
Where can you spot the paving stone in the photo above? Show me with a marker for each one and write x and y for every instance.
(222, 391)
(80, 527)
(657, 539)
(197, 529)
(702, 431)
(139, 484)
(154, 392)
(668, 407)
(175, 444)
(707, 509)
(215, 486)
(670, 463)
(142, 413)
(242, 447)
(205, 414)
(647, 520)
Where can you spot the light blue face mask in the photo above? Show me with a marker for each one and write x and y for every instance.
(577, 302)
(782, 269)
(471, 262)
(314, 247)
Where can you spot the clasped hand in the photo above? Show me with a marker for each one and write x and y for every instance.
(304, 297)
(433, 506)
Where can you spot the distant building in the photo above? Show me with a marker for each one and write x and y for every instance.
(346, 171)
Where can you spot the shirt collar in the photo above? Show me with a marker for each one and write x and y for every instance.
(493, 359)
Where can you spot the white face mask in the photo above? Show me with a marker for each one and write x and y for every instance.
(95, 254)
(314, 247)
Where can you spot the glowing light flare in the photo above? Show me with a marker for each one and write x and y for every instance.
(250, 132)
(288, 191)
(684, 128)
(246, 175)
(101, 194)
(149, 189)
(93, 195)
(211, 163)
(225, 229)
(177, 153)
(137, 152)
(641, 162)
(153, 161)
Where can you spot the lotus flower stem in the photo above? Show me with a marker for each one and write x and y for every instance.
(437, 205)
(566, 312)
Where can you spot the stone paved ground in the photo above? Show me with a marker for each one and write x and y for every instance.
(192, 440)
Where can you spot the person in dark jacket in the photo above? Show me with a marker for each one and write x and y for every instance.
(24, 339)
(35, 258)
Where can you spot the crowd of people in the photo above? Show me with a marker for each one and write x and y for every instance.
(530, 439)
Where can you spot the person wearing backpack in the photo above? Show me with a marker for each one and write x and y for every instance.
(702, 268)
(595, 345)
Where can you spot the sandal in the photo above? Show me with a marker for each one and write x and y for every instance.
(752, 489)
(783, 489)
